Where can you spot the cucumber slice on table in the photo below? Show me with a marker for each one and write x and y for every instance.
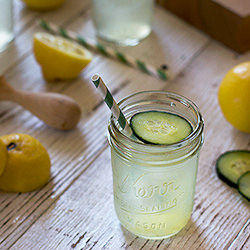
(155, 127)
(244, 185)
(231, 165)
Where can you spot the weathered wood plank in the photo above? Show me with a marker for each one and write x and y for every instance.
(242, 241)
(84, 199)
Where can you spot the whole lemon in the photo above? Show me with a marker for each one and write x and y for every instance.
(3, 157)
(60, 58)
(42, 5)
(234, 96)
(28, 164)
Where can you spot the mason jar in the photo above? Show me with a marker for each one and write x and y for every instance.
(124, 22)
(6, 23)
(154, 185)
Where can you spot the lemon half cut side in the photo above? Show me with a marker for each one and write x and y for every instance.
(59, 58)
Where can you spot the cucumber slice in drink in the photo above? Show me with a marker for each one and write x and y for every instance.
(233, 164)
(244, 185)
(155, 127)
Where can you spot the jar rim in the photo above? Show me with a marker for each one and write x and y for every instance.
(197, 130)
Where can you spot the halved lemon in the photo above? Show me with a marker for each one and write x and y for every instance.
(60, 58)
(28, 164)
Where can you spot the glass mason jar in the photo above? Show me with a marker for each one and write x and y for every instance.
(124, 22)
(6, 23)
(154, 185)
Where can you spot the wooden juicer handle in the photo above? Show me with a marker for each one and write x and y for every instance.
(56, 110)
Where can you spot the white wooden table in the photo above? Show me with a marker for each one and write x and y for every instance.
(75, 209)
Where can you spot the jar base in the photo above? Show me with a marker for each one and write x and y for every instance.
(152, 237)
(122, 42)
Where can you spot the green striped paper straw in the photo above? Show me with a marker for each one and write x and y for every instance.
(107, 51)
(113, 106)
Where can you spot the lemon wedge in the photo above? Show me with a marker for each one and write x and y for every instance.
(59, 58)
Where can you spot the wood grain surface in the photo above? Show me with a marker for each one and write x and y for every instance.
(75, 209)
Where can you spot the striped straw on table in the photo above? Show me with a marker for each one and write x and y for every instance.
(107, 51)
(111, 103)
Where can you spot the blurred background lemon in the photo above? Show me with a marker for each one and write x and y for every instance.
(42, 5)
(234, 96)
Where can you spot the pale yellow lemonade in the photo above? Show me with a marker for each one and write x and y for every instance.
(154, 185)
(150, 203)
